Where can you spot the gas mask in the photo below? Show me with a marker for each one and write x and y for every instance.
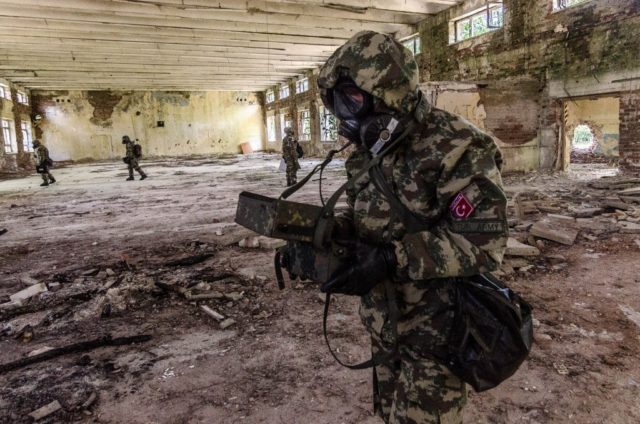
(360, 121)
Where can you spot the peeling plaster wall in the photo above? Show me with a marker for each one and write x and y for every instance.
(18, 113)
(548, 56)
(82, 125)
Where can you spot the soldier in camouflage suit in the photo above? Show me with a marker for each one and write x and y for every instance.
(447, 173)
(43, 162)
(290, 156)
(131, 159)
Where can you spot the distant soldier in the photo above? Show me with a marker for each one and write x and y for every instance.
(43, 162)
(290, 156)
(134, 153)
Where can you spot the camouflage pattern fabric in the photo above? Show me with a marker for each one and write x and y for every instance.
(42, 160)
(290, 156)
(447, 173)
(394, 79)
(133, 160)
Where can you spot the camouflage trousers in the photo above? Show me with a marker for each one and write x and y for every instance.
(292, 170)
(46, 175)
(133, 164)
(414, 388)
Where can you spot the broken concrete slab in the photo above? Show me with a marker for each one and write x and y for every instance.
(28, 280)
(586, 212)
(90, 272)
(515, 248)
(555, 232)
(46, 410)
(28, 292)
(629, 227)
(38, 351)
(633, 191)
(616, 204)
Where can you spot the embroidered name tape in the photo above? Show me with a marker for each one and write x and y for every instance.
(461, 207)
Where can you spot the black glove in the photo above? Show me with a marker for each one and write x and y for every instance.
(369, 265)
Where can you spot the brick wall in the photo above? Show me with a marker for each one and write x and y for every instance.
(536, 44)
(630, 131)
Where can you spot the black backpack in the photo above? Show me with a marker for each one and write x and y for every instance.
(137, 151)
(299, 150)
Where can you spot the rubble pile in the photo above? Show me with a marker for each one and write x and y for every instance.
(547, 215)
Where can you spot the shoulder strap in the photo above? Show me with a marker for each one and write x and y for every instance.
(393, 321)
(413, 222)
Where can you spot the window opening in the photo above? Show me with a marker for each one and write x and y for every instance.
(413, 43)
(284, 92)
(5, 92)
(480, 21)
(26, 136)
(9, 136)
(271, 128)
(271, 96)
(285, 122)
(563, 4)
(22, 98)
(302, 85)
(304, 125)
(328, 126)
(583, 139)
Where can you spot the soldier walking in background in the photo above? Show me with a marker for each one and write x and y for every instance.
(43, 162)
(134, 153)
(290, 156)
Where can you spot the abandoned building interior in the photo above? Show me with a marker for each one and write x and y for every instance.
(145, 302)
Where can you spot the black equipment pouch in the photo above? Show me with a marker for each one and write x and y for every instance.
(39, 169)
(299, 151)
(126, 160)
(137, 150)
(492, 333)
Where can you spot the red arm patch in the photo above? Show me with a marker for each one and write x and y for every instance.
(461, 207)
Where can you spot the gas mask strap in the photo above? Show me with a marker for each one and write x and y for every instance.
(321, 233)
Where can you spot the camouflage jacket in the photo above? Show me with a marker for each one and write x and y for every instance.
(445, 160)
(42, 155)
(289, 152)
(130, 154)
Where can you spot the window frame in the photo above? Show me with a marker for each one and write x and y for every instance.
(269, 96)
(302, 82)
(302, 136)
(555, 7)
(415, 39)
(283, 122)
(275, 129)
(22, 97)
(323, 113)
(283, 88)
(484, 11)
(27, 136)
(9, 135)
(5, 91)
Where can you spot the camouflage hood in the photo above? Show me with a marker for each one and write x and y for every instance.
(379, 65)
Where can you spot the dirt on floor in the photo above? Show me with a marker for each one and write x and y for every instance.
(141, 258)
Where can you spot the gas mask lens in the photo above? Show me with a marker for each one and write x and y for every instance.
(350, 102)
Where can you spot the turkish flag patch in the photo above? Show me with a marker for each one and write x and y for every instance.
(461, 207)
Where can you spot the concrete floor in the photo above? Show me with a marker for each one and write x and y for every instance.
(271, 365)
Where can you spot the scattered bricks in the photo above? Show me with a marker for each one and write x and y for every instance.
(46, 410)
(554, 232)
(515, 248)
(29, 292)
